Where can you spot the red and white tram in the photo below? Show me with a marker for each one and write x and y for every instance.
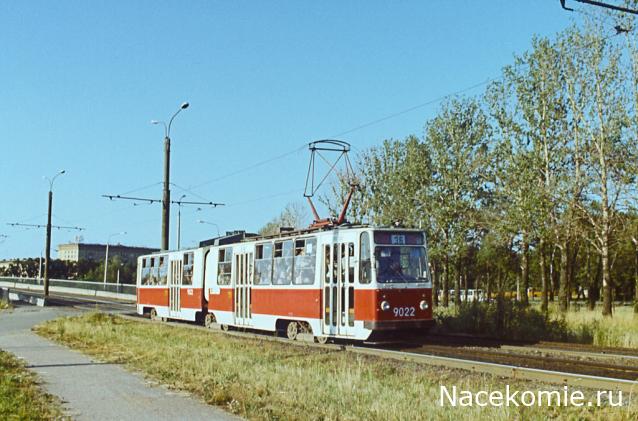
(349, 282)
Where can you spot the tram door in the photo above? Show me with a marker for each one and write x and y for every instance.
(338, 289)
(174, 286)
(243, 288)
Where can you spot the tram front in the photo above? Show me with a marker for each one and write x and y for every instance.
(398, 296)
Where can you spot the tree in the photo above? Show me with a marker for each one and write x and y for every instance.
(294, 215)
(456, 143)
(608, 154)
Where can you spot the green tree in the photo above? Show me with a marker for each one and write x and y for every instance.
(456, 143)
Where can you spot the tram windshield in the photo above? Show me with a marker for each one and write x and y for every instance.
(401, 264)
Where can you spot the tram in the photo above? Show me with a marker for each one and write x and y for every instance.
(355, 282)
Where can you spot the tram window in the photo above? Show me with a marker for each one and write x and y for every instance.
(350, 306)
(187, 274)
(326, 264)
(342, 263)
(300, 247)
(224, 266)
(282, 265)
(205, 277)
(152, 277)
(326, 298)
(146, 272)
(335, 262)
(305, 261)
(365, 266)
(163, 271)
(351, 262)
(263, 264)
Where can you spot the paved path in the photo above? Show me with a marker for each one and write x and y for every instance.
(92, 390)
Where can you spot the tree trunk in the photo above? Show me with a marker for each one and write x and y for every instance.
(435, 284)
(591, 301)
(525, 269)
(636, 283)
(488, 288)
(595, 286)
(446, 281)
(541, 251)
(457, 285)
(563, 286)
(607, 307)
(500, 304)
(572, 274)
(553, 276)
(465, 283)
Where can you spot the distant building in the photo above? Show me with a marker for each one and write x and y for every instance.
(4, 264)
(85, 251)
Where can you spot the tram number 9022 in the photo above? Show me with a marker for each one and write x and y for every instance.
(403, 311)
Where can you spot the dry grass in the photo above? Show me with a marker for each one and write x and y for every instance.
(20, 396)
(512, 320)
(621, 330)
(5, 305)
(266, 380)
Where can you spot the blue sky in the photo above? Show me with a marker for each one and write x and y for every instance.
(80, 82)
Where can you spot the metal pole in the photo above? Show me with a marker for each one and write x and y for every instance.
(179, 226)
(48, 247)
(166, 199)
(106, 260)
(40, 268)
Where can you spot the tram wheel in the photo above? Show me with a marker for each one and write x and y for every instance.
(225, 328)
(321, 339)
(154, 315)
(292, 330)
(209, 320)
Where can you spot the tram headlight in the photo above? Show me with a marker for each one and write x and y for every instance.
(423, 305)
(385, 306)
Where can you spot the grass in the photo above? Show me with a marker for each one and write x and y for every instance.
(621, 330)
(20, 396)
(5, 305)
(265, 380)
(511, 320)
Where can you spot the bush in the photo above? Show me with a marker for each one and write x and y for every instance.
(506, 320)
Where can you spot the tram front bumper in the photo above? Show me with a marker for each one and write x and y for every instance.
(398, 325)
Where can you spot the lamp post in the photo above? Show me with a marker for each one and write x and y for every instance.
(40, 268)
(210, 223)
(166, 198)
(106, 258)
(179, 221)
(47, 255)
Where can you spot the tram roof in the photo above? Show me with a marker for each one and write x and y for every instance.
(235, 237)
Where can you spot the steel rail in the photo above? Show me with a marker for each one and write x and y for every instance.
(586, 354)
(503, 370)
(515, 372)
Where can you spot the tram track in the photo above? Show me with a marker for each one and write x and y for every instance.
(557, 362)
(552, 352)
(566, 371)
(574, 364)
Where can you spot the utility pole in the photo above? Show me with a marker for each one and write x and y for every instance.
(106, 258)
(48, 237)
(166, 197)
(48, 226)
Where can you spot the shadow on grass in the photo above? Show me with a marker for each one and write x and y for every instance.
(510, 320)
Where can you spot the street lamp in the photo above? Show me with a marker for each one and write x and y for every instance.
(210, 223)
(166, 199)
(48, 237)
(179, 221)
(106, 258)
